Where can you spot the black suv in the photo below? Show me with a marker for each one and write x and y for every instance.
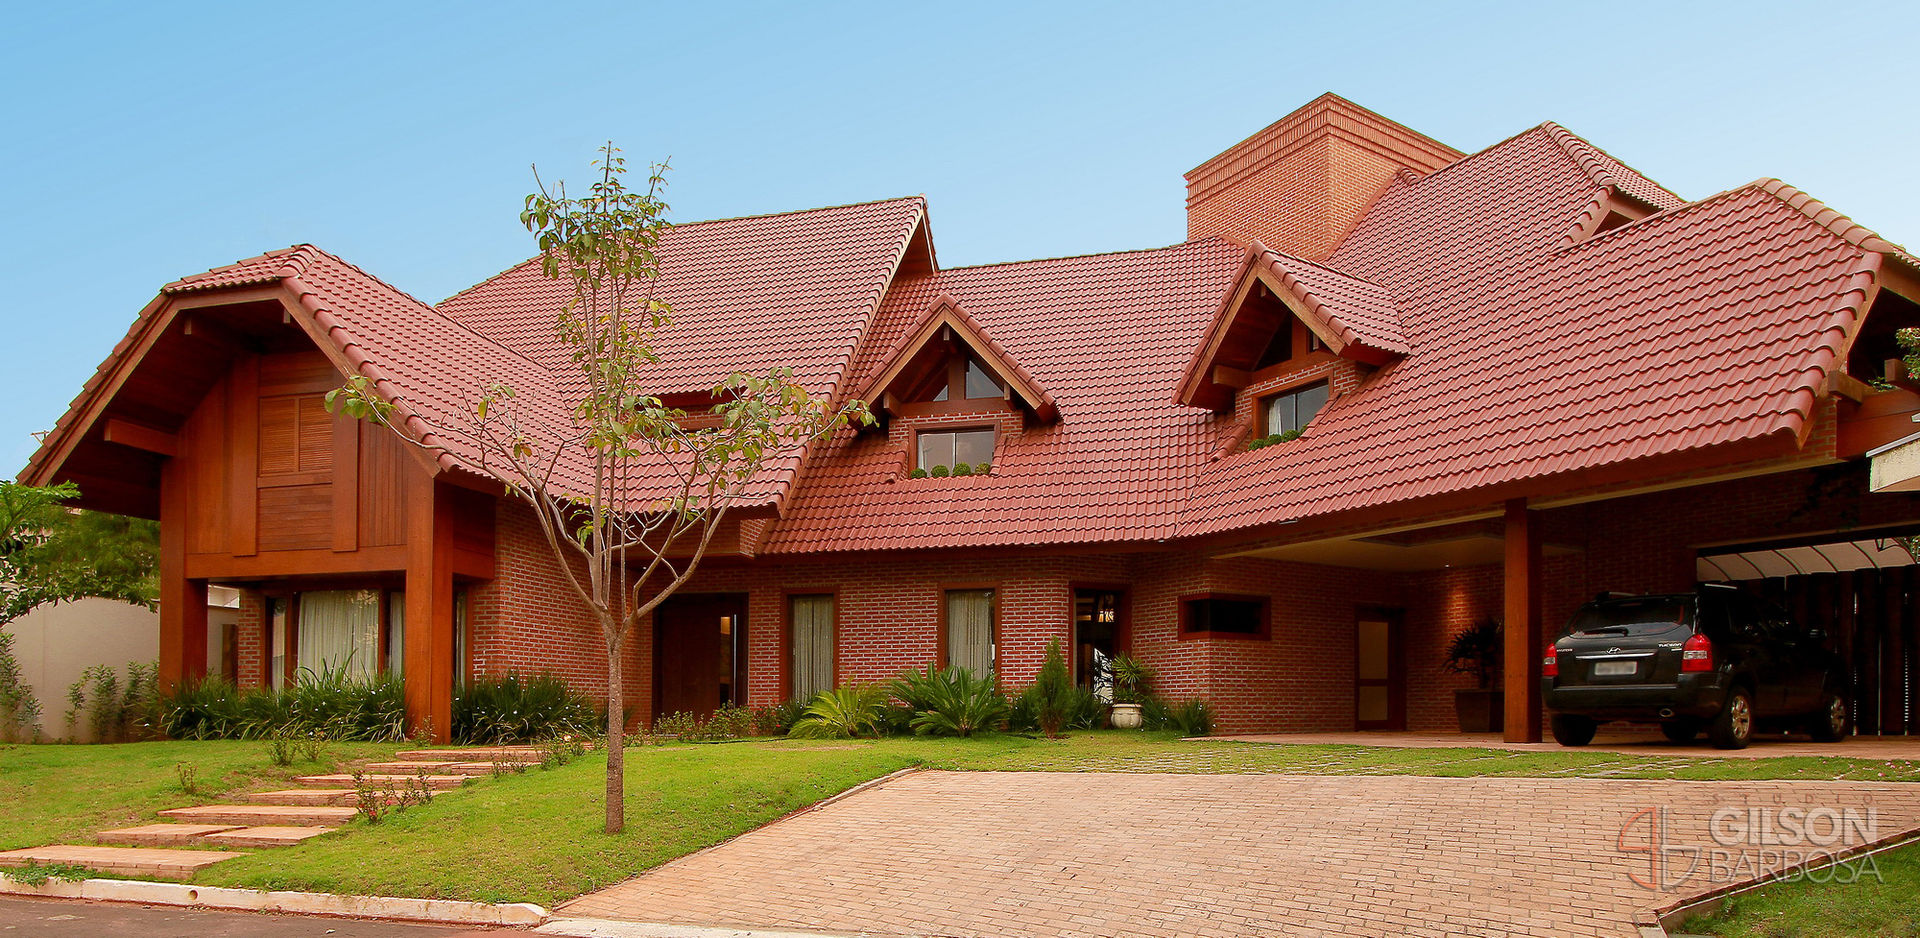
(1716, 659)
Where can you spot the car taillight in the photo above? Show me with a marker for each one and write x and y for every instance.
(1550, 661)
(1696, 654)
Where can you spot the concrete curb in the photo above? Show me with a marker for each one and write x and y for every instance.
(1655, 923)
(446, 911)
(608, 928)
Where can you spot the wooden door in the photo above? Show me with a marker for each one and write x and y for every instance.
(1379, 671)
(699, 653)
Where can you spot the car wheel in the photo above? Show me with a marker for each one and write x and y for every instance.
(1829, 723)
(1569, 730)
(1733, 728)
(1680, 731)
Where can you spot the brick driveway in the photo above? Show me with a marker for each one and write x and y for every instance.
(1042, 853)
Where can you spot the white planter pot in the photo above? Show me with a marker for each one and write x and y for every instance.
(1126, 716)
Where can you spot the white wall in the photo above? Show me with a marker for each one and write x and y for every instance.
(56, 643)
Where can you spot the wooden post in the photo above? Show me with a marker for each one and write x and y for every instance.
(183, 602)
(428, 664)
(1524, 637)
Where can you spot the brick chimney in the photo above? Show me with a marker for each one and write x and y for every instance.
(1303, 182)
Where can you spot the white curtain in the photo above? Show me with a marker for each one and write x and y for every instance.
(397, 633)
(339, 630)
(812, 665)
(970, 630)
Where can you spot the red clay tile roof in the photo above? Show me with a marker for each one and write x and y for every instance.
(946, 310)
(1509, 355)
(1109, 334)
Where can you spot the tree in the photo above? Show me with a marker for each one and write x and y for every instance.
(50, 553)
(1052, 692)
(659, 481)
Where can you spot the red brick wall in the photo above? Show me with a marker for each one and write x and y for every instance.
(251, 639)
(1300, 184)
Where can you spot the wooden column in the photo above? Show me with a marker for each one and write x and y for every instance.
(429, 615)
(1524, 638)
(183, 602)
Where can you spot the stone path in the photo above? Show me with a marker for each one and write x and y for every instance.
(1073, 854)
(266, 819)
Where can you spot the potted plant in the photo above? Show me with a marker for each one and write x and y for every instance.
(1479, 650)
(1130, 679)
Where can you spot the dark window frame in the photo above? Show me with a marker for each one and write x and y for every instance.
(1187, 631)
(919, 432)
(1263, 406)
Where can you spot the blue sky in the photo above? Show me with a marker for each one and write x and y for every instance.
(144, 141)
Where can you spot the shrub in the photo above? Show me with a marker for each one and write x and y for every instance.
(331, 704)
(983, 469)
(778, 719)
(19, 711)
(917, 474)
(1052, 692)
(939, 472)
(730, 722)
(962, 469)
(514, 709)
(1262, 442)
(678, 724)
(847, 711)
(115, 710)
(1188, 717)
(1085, 710)
(951, 701)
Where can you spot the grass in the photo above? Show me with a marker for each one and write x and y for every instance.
(535, 837)
(1882, 906)
(63, 794)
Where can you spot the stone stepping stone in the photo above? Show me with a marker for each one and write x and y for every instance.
(500, 754)
(139, 862)
(265, 836)
(304, 797)
(409, 768)
(160, 835)
(250, 815)
(435, 782)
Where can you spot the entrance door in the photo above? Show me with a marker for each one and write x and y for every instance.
(1097, 628)
(699, 653)
(1379, 671)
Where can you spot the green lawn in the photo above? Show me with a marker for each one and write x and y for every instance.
(1884, 907)
(535, 837)
(57, 793)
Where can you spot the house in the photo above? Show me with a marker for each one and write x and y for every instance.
(1382, 389)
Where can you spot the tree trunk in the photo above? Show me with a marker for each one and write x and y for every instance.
(616, 741)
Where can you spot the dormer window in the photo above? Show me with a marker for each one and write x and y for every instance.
(973, 377)
(1285, 415)
(954, 452)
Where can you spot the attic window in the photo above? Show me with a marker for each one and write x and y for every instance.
(973, 377)
(1291, 410)
(953, 452)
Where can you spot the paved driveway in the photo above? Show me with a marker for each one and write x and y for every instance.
(1040, 853)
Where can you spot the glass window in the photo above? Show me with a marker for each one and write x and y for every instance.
(1231, 616)
(950, 447)
(980, 385)
(339, 630)
(277, 654)
(1294, 409)
(811, 620)
(970, 630)
(397, 634)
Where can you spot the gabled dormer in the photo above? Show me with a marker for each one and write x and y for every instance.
(947, 364)
(1285, 318)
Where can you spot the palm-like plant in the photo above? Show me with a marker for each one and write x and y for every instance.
(952, 702)
(848, 711)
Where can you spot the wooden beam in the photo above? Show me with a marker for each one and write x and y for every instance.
(183, 601)
(428, 664)
(277, 563)
(243, 455)
(219, 334)
(139, 436)
(1847, 386)
(1235, 378)
(346, 483)
(1524, 635)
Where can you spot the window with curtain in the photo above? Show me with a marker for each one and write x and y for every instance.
(339, 630)
(810, 619)
(397, 633)
(970, 630)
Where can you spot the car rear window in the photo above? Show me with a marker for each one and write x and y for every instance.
(1630, 616)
